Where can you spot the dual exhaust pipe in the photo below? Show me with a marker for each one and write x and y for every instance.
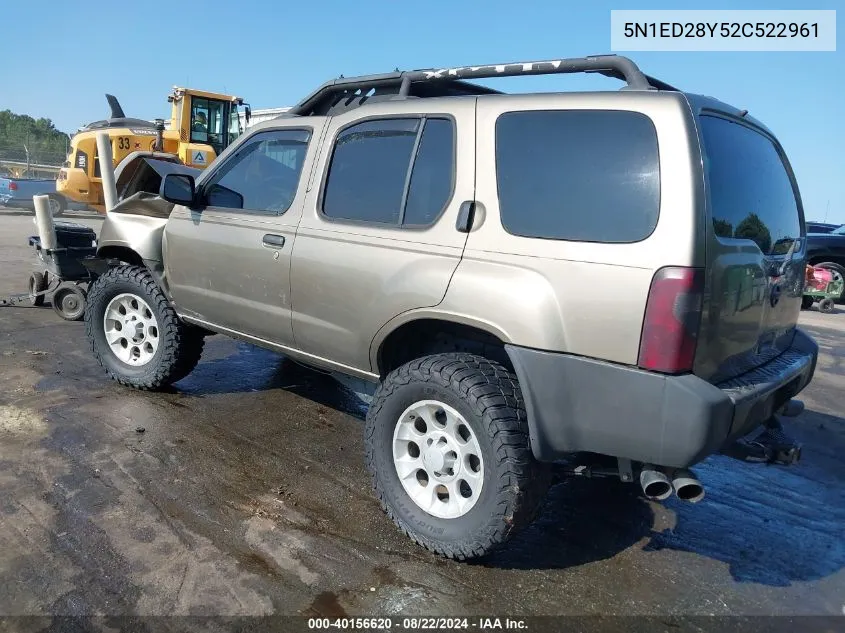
(658, 484)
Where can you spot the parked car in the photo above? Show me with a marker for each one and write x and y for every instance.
(828, 251)
(455, 246)
(18, 192)
(821, 227)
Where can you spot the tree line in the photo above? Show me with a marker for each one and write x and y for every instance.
(24, 138)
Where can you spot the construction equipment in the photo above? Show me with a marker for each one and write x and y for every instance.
(202, 124)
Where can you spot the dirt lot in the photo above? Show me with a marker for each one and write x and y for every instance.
(242, 491)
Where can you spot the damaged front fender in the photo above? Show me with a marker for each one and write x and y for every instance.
(135, 224)
(137, 221)
(133, 230)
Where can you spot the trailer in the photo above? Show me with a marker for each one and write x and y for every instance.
(823, 285)
(64, 275)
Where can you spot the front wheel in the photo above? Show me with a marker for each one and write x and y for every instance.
(37, 286)
(135, 333)
(447, 447)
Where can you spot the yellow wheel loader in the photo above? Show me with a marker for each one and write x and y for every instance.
(202, 124)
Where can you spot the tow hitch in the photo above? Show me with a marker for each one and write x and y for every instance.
(771, 445)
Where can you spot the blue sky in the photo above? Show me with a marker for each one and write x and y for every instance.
(59, 58)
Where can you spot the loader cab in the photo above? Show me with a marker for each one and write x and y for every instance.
(207, 122)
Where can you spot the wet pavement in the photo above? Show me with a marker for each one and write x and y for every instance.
(242, 491)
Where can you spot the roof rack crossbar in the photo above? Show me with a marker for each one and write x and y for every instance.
(615, 66)
(612, 65)
(405, 86)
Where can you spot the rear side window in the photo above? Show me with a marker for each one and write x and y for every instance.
(431, 179)
(581, 175)
(391, 171)
(751, 194)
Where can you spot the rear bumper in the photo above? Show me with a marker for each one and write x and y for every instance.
(577, 404)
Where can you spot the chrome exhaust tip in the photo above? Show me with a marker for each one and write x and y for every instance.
(655, 484)
(687, 487)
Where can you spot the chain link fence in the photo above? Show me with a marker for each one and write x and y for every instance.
(25, 161)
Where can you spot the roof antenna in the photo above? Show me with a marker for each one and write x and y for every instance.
(742, 113)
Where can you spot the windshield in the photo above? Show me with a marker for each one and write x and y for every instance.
(839, 231)
(208, 118)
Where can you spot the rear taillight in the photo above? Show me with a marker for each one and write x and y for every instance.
(672, 319)
(13, 186)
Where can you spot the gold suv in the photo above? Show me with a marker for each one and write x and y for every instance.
(607, 279)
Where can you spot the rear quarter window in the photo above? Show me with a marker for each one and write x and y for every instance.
(750, 191)
(579, 175)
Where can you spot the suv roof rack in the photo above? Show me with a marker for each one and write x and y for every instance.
(346, 93)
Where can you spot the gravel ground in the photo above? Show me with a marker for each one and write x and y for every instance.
(242, 492)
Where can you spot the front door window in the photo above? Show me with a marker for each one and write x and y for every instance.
(263, 176)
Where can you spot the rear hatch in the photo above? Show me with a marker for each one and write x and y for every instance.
(755, 250)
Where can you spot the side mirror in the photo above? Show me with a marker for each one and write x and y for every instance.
(179, 189)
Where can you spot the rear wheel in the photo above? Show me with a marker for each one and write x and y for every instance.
(827, 306)
(135, 333)
(69, 302)
(806, 302)
(447, 447)
(57, 205)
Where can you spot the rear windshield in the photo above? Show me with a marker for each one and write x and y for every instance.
(751, 193)
(583, 175)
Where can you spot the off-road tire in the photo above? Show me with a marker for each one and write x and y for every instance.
(488, 397)
(180, 346)
(807, 302)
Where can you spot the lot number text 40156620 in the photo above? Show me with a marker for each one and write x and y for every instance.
(418, 624)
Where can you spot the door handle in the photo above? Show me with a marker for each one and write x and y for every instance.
(466, 214)
(273, 241)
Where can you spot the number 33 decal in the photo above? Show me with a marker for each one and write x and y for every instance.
(123, 142)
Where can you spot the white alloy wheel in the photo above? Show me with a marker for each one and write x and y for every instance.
(131, 329)
(438, 459)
